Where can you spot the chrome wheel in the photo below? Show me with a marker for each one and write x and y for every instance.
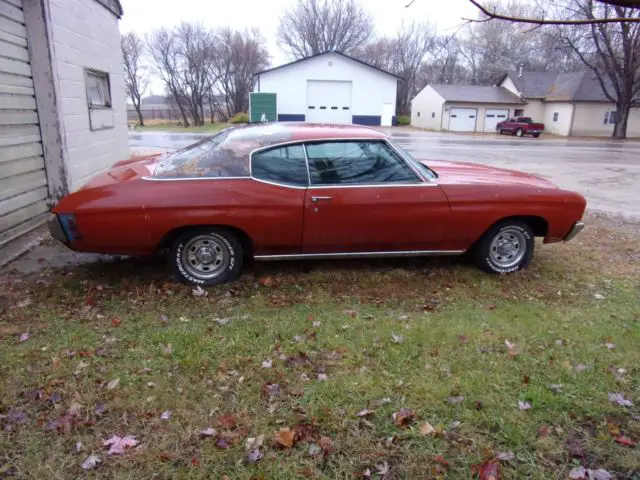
(205, 257)
(508, 248)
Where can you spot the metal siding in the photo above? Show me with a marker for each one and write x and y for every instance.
(262, 103)
(23, 179)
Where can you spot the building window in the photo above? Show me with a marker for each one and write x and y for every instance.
(610, 117)
(98, 89)
(518, 112)
(433, 114)
(418, 114)
(555, 116)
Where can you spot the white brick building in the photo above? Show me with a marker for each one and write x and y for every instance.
(62, 106)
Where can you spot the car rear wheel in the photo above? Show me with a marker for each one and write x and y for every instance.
(505, 247)
(519, 132)
(206, 256)
(536, 135)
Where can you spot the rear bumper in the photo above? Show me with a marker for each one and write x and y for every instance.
(56, 230)
(575, 230)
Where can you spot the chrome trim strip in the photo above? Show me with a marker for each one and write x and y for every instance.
(388, 254)
(374, 185)
(182, 179)
(575, 230)
(279, 184)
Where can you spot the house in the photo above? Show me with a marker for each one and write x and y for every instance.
(62, 106)
(329, 87)
(568, 104)
(463, 108)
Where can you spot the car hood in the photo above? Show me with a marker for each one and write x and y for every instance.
(459, 173)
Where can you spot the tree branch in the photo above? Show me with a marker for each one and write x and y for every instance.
(491, 15)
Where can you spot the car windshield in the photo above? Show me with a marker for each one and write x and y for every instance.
(223, 155)
(422, 168)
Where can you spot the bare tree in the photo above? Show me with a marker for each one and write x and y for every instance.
(136, 76)
(317, 26)
(444, 63)
(165, 53)
(239, 55)
(492, 12)
(612, 52)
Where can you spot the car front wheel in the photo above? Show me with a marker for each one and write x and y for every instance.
(206, 256)
(505, 248)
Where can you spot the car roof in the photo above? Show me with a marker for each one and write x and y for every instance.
(300, 131)
(227, 153)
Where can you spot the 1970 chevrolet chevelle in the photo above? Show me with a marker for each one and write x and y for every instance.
(305, 191)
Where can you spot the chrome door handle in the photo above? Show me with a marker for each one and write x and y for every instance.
(317, 199)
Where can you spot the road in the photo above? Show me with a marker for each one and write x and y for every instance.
(606, 172)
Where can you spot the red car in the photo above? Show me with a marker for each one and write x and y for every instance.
(520, 126)
(305, 191)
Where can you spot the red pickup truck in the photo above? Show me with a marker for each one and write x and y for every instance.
(520, 126)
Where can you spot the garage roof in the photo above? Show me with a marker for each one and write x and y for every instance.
(325, 53)
(565, 87)
(475, 94)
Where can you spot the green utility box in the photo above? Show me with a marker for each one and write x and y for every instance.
(262, 108)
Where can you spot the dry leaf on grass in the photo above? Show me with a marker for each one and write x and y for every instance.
(426, 429)
(619, 399)
(91, 462)
(208, 432)
(404, 417)
(284, 437)
(625, 441)
(117, 444)
(365, 413)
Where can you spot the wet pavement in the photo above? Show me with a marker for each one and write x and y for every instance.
(606, 172)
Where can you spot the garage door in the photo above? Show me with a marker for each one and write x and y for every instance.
(23, 182)
(493, 117)
(328, 101)
(462, 119)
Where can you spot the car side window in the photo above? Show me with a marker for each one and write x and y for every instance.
(356, 163)
(285, 165)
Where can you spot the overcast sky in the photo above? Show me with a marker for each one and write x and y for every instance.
(143, 16)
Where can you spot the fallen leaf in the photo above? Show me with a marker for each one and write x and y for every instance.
(266, 281)
(252, 443)
(350, 313)
(426, 429)
(509, 345)
(599, 474)
(115, 322)
(166, 415)
(478, 405)
(581, 473)
(578, 473)
(74, 409)
(166, 348)
(222, 321)
(268, 363)
(222, 443)
(619, 399)
(382, 468)
(113, 383)
(326, 444)
(598, 296)
(506, 456)
(323, 377)
(314, 450)
(254, 455)
(463, 339)
(397, 338)
(404, 417)
(228, 421)
(91, 462)
(316, 324)
(580, 367)
(365, 413)
(78, 446)
(574, 447)
(455, 400)
(544, 431)
(610, 346)
(208, 432)
(199, 292)
(284, 437)
(488, 471)
(99, 409)
(270, 390)
(117, 444)
(24, 337)
(556, 387)
(625, 441)
(382, 401)
(523, 405)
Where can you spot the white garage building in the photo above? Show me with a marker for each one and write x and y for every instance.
(463, 108)
(331, 88)
(62, 107)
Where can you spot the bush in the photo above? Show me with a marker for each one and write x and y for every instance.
(240, 117)
(402, 120)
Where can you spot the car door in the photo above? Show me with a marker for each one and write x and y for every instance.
(364, 197)
(275, 202)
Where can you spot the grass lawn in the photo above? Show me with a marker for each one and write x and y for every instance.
(506, 372)
(172, 127)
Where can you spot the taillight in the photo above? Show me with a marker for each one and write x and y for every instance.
(68, 221)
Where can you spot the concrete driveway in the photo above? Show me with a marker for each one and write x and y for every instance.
(606, 172)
